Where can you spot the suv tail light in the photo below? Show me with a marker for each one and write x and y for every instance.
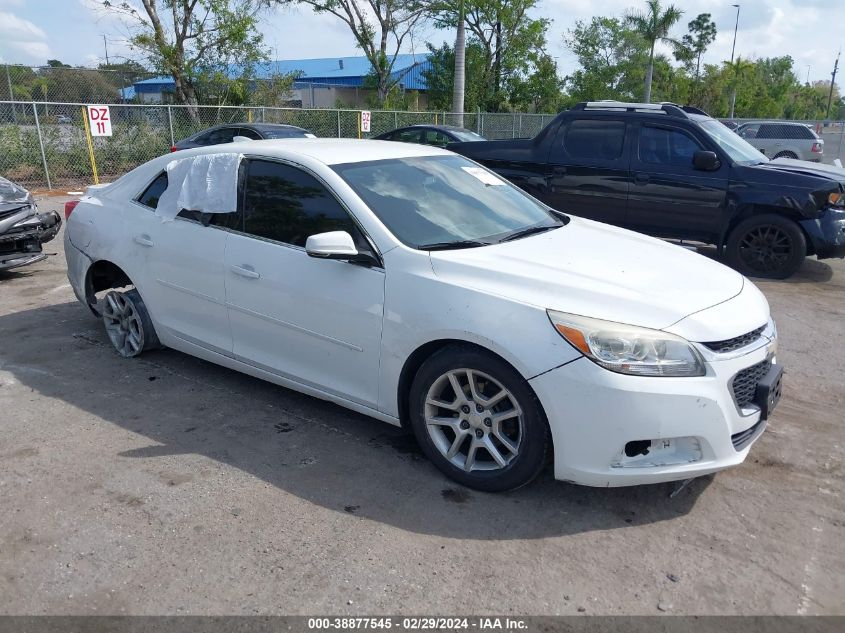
(817, 148)
(173, 148)
(70, 205)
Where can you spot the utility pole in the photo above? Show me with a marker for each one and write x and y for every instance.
(106, 46)
(11, 94)
(808, 74)
(832, 83)
(733, 50)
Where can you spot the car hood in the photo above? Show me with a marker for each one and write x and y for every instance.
(805, 168)
(596, 270)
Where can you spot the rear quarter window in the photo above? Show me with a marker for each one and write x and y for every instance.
(150, 196)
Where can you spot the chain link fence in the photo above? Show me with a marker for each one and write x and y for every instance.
(43, 145)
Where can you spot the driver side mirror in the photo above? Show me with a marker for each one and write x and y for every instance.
(705, 160)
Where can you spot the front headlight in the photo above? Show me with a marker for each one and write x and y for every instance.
(628, 349)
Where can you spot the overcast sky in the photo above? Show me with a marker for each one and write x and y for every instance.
(31, 31)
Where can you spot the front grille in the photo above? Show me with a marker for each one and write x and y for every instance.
(738, 342)
(744, 384)
(740, 440)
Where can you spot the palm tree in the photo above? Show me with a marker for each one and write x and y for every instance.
(654, 25)
(460, 69)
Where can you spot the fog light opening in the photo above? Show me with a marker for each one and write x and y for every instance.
(637, 447)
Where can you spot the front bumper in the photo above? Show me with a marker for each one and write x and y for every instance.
(827, 233)
(694, 424)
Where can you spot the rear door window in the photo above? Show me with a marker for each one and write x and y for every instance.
(599, 140)
(436, 138)
(249, 133)
(217, 137)
(408, 136)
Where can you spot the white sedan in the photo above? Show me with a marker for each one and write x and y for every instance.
(408, 283)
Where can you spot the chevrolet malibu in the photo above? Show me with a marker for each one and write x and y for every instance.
(415, 286)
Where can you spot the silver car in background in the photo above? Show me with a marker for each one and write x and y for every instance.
(783, 139)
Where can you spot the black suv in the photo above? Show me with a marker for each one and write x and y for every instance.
(674, 172)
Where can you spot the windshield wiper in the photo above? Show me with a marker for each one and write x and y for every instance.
(531, 230)
(445, 246)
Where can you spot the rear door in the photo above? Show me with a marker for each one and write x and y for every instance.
(587, 172)
(182, 267)
(668, 196)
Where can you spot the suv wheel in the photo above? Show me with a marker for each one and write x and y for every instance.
(786, 155)
(768, 246)
(478, 420)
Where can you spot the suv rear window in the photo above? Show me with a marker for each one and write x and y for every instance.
(596, 139)
(777, 130)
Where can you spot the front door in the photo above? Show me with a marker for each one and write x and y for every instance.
(587, 174)
(668, 196)
(315, 321)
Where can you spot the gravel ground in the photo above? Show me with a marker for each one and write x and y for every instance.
(167, 485)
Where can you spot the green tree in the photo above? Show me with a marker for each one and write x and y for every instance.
(511, 40)
(440, 76)
(702, 33)
(196, 40)
(380, 28)
(541, 90)
(610, 55)
(653, 25)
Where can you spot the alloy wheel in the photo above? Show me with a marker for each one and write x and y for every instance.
(123, 324)
(765, 248)
(473, 420)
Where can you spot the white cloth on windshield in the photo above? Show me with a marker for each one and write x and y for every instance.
(206, 183)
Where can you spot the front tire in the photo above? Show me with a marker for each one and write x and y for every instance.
(769, 246)
(128, 323)
(478, 420)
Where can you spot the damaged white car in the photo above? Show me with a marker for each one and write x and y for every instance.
(410, 284)
(22, 228)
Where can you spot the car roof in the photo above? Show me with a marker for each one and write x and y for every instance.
(437, 126)
(254, 126)
(775, 122)
(329, 151)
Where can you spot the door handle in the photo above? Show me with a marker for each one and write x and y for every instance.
(641, 179)
(246, 271)
(144, 240)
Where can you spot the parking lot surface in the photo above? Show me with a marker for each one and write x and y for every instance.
(168, 485)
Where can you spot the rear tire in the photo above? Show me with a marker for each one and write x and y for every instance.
(478, 420)
(128, 323)
(786, 155)
(769, 246)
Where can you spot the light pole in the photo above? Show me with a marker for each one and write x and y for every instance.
(808, 74)
(733, 50)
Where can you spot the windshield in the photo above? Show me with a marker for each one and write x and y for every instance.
(740, 150)
(445, 201)
(466, 135)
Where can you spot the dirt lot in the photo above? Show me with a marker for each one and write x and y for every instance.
(166, 485)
